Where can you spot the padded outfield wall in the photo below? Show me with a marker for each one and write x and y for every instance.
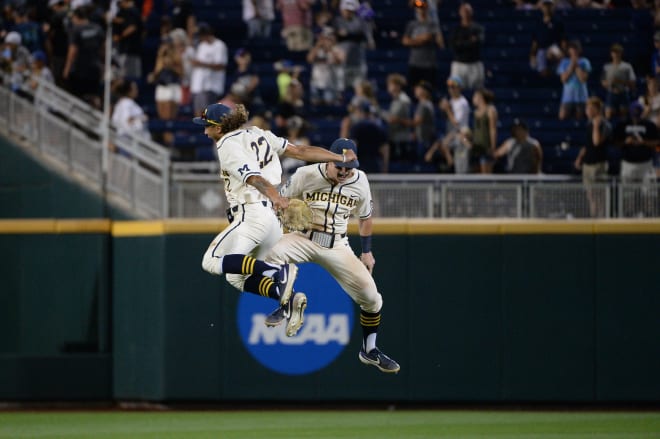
(474, 311)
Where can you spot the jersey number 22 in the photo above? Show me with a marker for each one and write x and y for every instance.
(265, 148)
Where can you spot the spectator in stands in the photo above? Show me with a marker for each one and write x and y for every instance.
(290, 105)
(363, 93)
(353, 38)
(651, 101)
(455, 148)
(296, 23)
(655, 58)
(592, 158)
(94, 12)
(31, 34)
(186, 53)
(167, 75)
(207, 79)
(618, 79)
(573, 71)
(57, 38)
(127, 116)
(638, 139)
(484, 134)
(422, 36)
(371, 139)
(287, 72)
(397, 117)
(322, 18)
(548, 40)
(82, 69)
(236, 95)
(433, 10)
(295, 95)
(127, 36)
(40, 70)
(465, 42)
(165, 27)
(325, 58)
(15, 59)
(258, 15)
(247, 77)
(456, 109)
(524, 154)
(423, 120)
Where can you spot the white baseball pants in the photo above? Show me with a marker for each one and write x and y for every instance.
(254, 230)
(339, 261)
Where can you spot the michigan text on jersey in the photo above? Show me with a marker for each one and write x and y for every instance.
(332, 198)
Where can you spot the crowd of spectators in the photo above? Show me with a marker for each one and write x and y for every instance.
(450, 128)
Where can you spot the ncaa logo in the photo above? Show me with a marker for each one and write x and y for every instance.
(325, 334)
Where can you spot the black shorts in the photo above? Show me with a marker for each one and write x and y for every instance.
(84, 86)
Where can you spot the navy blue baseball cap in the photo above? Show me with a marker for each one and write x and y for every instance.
(341, 145)
(212, 115)
(636, 108)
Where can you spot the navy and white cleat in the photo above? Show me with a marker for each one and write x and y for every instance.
(376, 358)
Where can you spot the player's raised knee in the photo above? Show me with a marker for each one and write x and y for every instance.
(211, 264)
(372, 303)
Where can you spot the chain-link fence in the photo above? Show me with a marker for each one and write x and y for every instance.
(481, 200)
(197, 200)
(403, 200)
(639, 200)
(197, 192)
(569, 200)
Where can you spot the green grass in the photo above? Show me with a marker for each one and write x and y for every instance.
(329, 424)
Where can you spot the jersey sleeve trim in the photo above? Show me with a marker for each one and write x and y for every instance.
(227, 138)
(249, 174)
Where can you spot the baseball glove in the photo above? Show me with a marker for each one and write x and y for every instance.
(296, 217)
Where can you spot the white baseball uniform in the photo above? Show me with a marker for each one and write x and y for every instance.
(255, 228)
(327, 244)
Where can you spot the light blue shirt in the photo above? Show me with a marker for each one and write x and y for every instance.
(574, 90)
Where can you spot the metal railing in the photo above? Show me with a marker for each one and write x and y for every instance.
(197, 192)
(68, 131)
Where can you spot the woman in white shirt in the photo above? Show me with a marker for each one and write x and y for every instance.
(127, 116)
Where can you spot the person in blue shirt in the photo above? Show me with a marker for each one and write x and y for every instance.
(573, 71)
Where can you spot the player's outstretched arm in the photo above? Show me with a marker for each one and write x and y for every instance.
(263, 186)
(317, 154)
(366, 227)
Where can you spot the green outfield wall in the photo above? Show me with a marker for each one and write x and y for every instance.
(484, 311)
(55, 309)
(28, 189)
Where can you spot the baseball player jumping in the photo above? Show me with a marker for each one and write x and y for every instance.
(333, 191)
(249, 167)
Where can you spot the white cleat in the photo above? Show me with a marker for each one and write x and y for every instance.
(296, 314)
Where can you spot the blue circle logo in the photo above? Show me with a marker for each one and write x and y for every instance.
(325, 333)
